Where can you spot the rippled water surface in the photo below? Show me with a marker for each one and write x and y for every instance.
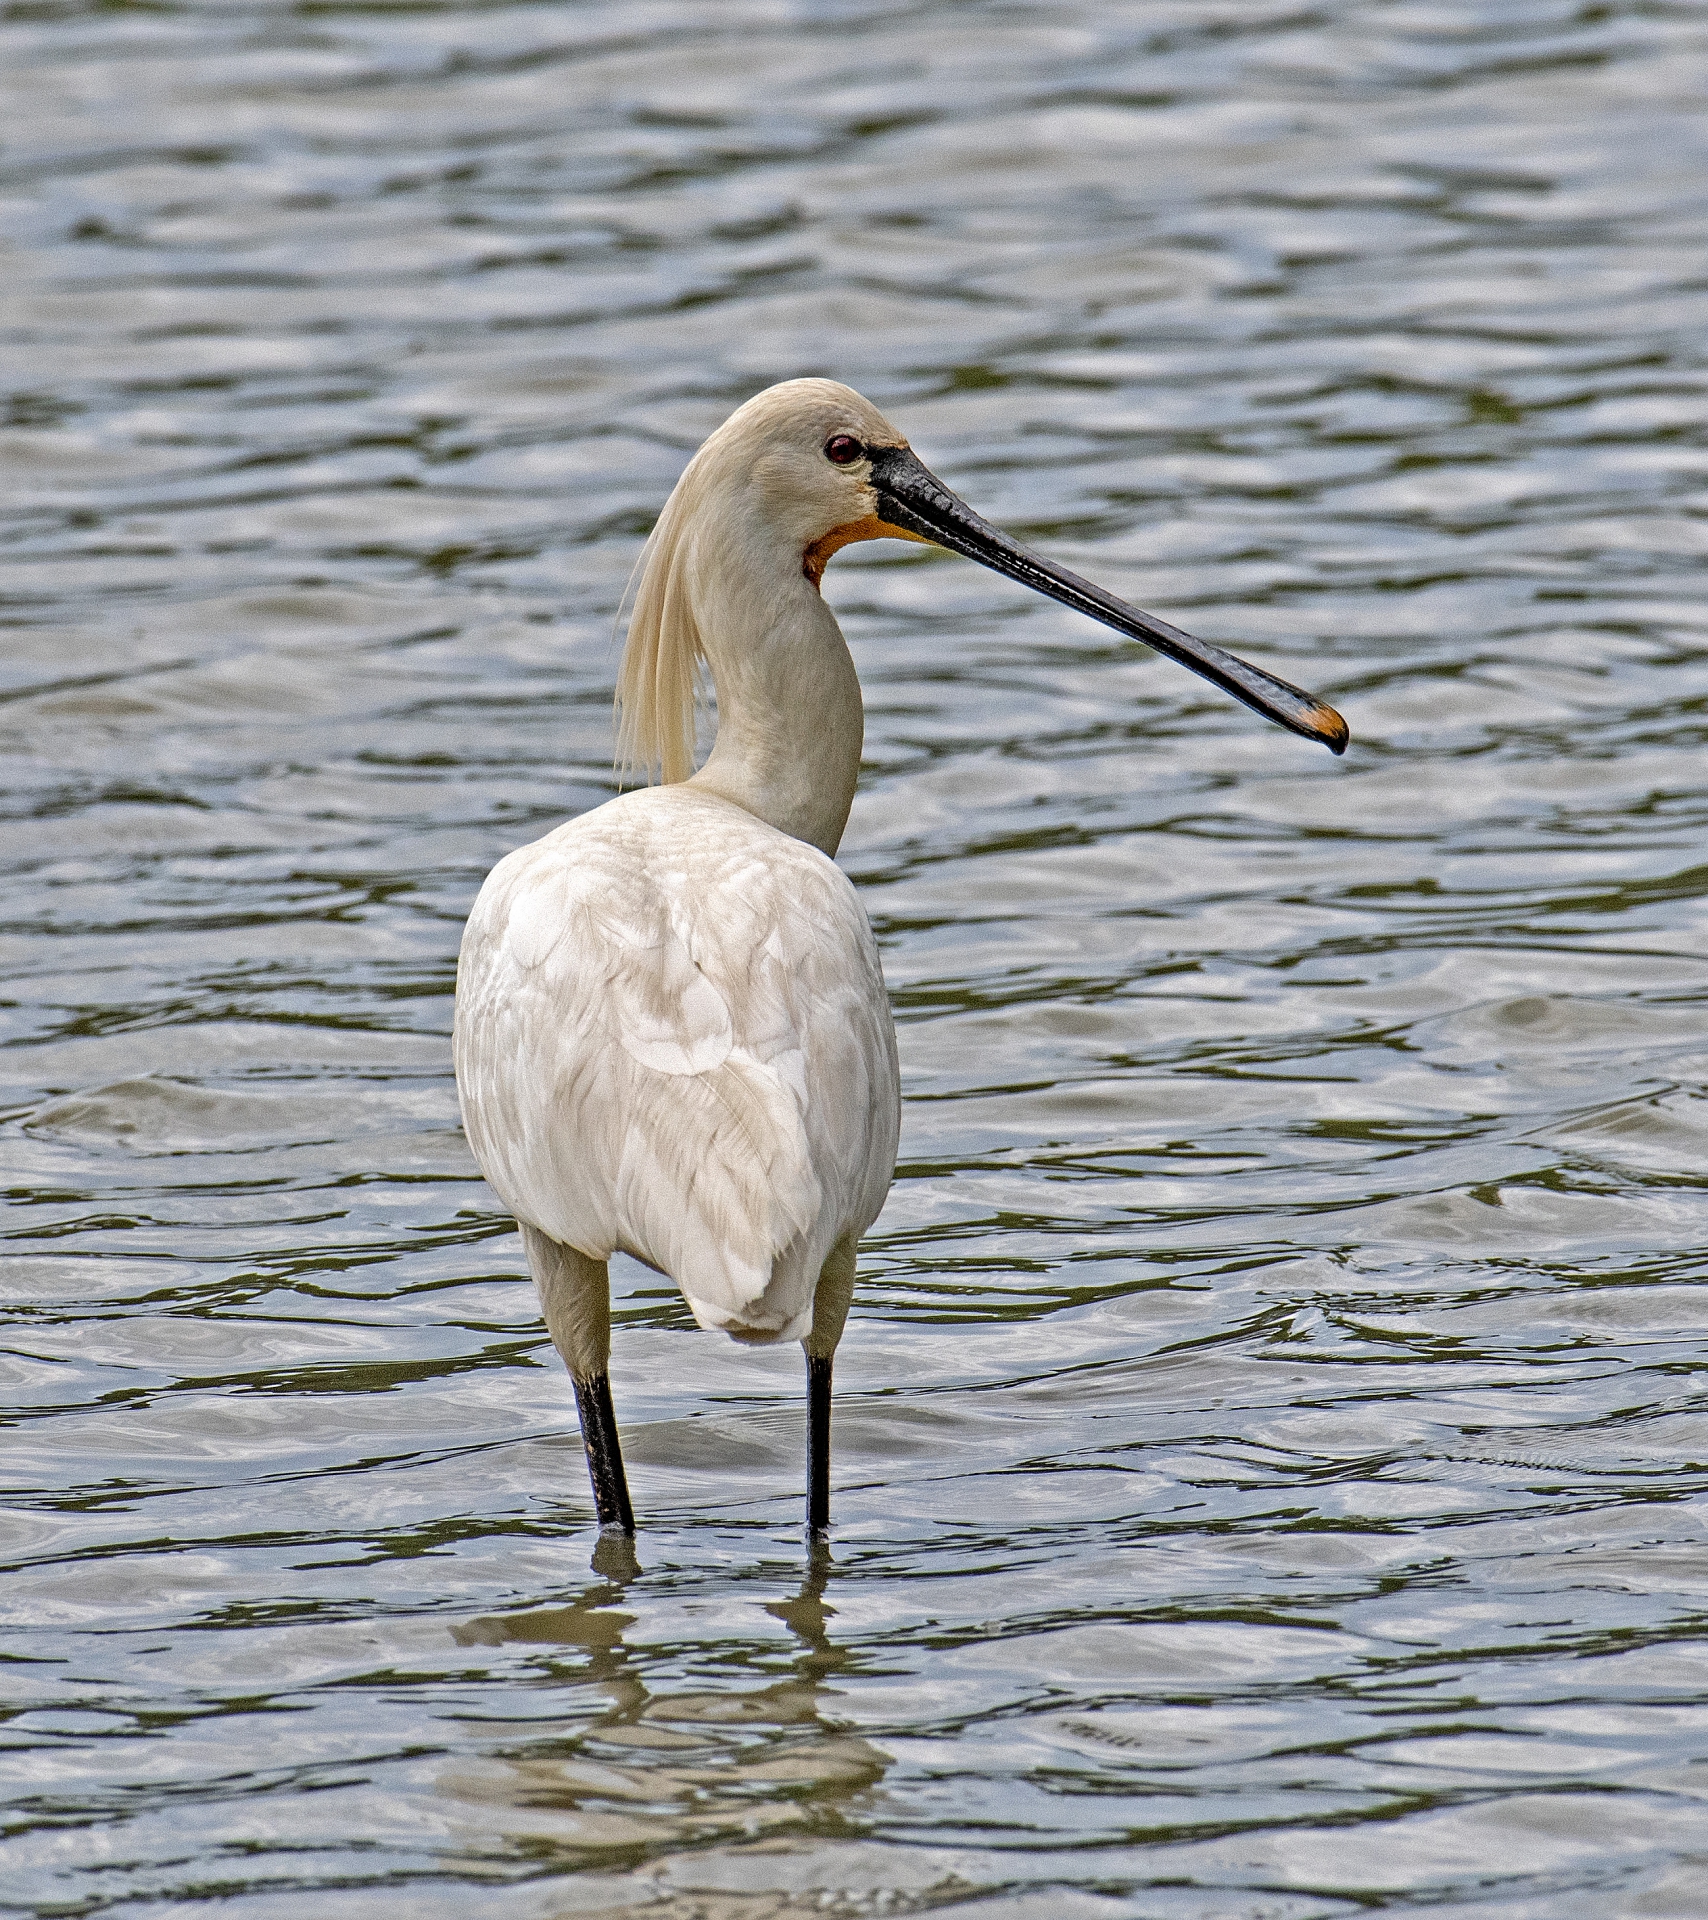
(1271, 1437)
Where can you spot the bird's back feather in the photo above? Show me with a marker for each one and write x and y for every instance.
(673, 1038)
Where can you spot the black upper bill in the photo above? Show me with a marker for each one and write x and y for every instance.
(911, 497)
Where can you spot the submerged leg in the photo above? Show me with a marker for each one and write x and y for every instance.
(575, 1295)
(604, 1455)
(818, 1444)
(829, 1311)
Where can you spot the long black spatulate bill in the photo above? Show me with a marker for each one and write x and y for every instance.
(912, 498)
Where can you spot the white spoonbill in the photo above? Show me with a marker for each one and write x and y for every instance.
(672, 1035)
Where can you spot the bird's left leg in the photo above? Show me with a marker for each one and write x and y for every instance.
(829, 1313)
(575, 1295)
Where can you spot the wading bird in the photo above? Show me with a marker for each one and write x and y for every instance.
(672, 1035)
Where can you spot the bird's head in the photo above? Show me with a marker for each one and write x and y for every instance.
(824, 468)
(806, 468)
(802, 457)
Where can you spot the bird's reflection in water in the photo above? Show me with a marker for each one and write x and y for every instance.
(644, 1772)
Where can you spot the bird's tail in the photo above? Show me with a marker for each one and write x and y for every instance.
(736, 1223)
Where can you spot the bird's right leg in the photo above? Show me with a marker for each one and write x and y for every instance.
(829, 1314)
(575, 1295)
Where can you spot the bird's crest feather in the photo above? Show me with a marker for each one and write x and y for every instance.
(659, 683)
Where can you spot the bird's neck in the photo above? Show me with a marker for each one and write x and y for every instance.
(790, 719)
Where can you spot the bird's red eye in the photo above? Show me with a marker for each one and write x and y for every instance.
(843, 449)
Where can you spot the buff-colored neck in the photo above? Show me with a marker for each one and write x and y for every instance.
(790, 718)
(731, 588)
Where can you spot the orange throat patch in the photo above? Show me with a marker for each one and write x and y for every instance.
(816, 558)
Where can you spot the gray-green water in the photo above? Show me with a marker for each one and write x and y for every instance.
(1272, 1438)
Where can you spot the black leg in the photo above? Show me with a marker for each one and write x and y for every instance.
(604, 1453)
(818, 1445)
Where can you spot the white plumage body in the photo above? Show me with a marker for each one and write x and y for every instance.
(673, 1039)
